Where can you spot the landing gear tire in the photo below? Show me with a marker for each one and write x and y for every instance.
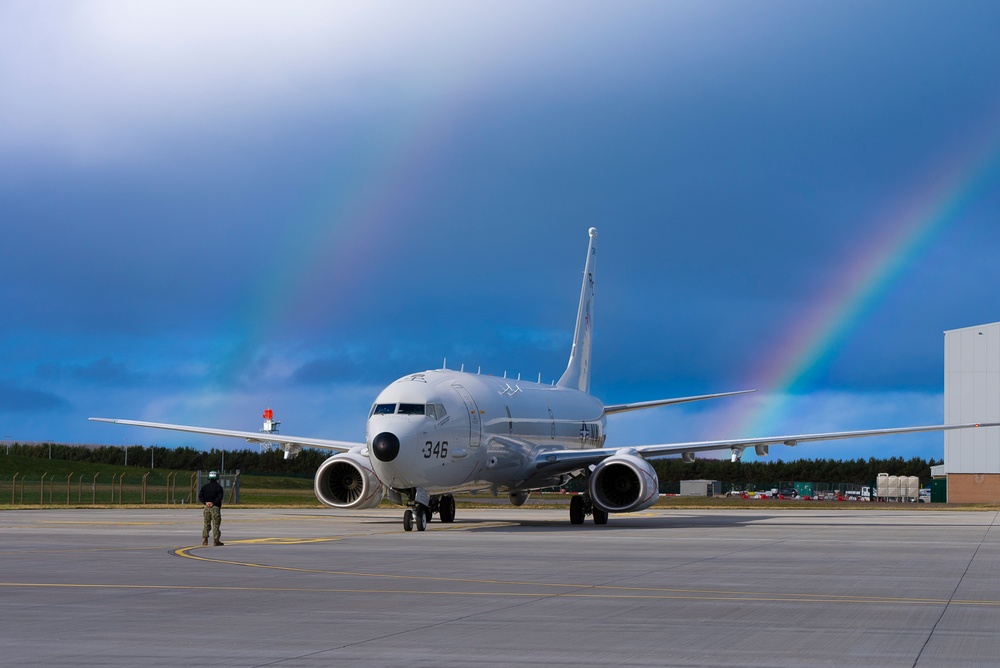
(408, 520)
(421, 518)
(446, 509)
(576, 510)
(600, 516)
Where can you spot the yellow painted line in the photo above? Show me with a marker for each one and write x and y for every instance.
(667, 592)
(283, 541)
(718, 596)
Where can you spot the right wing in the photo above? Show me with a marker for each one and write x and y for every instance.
(563, 461)
(288, 443)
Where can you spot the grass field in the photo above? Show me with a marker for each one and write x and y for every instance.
(29, 482)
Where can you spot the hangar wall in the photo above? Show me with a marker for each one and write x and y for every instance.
(972, 394)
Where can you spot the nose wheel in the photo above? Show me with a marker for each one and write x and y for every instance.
(416, 517)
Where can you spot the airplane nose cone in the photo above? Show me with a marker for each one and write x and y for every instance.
(385, 446)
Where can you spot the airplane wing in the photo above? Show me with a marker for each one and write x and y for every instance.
(622, 408)
(293, 442)
(564, 461)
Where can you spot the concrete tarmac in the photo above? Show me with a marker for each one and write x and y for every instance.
(505, 586)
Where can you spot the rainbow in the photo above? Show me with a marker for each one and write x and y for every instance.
(897, 241)
(316, 259)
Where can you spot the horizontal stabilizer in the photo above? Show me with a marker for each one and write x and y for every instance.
(624, 408)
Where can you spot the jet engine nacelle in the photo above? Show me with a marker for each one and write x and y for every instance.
(623, 484)
(346, 480)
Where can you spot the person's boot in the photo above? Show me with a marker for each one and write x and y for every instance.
(217, 542)
(204, 541)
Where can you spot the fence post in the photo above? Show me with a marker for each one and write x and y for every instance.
(41, 490)
(67, 487)
(121, 479)
(144, 476)
(13, 487)
(93, 489)
(192, 494)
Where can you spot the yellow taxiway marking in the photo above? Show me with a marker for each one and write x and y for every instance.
(589, 593)
(603, 591)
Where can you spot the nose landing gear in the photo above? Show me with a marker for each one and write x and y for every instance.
(418, 518)
(420, 514)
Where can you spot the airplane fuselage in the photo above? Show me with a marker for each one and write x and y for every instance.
(459, 431)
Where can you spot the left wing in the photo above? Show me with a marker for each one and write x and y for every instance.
(288, 443)
(563, 461)
(639, 405)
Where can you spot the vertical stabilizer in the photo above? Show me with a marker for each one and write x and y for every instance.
(577, 373)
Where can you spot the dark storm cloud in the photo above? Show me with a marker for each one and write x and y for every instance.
(421, 190)
(104, 371)
(15, 398)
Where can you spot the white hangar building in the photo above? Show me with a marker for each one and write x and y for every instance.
(972, 394)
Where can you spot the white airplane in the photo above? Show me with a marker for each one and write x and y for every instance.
(438, 432)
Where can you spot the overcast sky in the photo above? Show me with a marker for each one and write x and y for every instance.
(209, 208)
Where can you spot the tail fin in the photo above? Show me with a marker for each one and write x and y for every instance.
(577, 374)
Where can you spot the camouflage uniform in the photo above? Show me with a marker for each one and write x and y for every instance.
(213, 523)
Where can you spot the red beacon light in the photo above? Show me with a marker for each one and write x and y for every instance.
(270, 424)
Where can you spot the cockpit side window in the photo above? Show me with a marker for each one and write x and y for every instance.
(439, 411)
(411, 409)
(384, 409)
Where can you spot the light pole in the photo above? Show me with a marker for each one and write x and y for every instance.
(7, 438)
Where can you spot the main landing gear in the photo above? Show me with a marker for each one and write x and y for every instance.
(421, 514)
(581, 505)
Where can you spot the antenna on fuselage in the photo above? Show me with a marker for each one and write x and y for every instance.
(463, 367)
(445, 366)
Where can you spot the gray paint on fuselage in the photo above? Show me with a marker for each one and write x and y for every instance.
(519, 420)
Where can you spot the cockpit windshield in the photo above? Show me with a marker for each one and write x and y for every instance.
(435, 411)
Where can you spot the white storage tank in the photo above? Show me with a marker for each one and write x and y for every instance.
(882, 485)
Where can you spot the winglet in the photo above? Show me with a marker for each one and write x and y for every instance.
(577, 374)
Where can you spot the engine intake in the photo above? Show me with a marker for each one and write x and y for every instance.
(347, 481)
(624, 484)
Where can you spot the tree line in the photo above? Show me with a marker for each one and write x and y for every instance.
(248, 461)
(740, 474)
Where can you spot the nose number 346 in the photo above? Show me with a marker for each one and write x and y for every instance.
(439, 449)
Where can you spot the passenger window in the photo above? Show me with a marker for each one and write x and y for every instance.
(384, 409)
(411, 409)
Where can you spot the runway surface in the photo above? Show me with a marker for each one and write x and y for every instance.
(505, 586)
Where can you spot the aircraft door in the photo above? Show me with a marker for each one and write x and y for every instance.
(475, 421)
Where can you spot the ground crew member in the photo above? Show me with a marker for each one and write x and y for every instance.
(211, 495)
